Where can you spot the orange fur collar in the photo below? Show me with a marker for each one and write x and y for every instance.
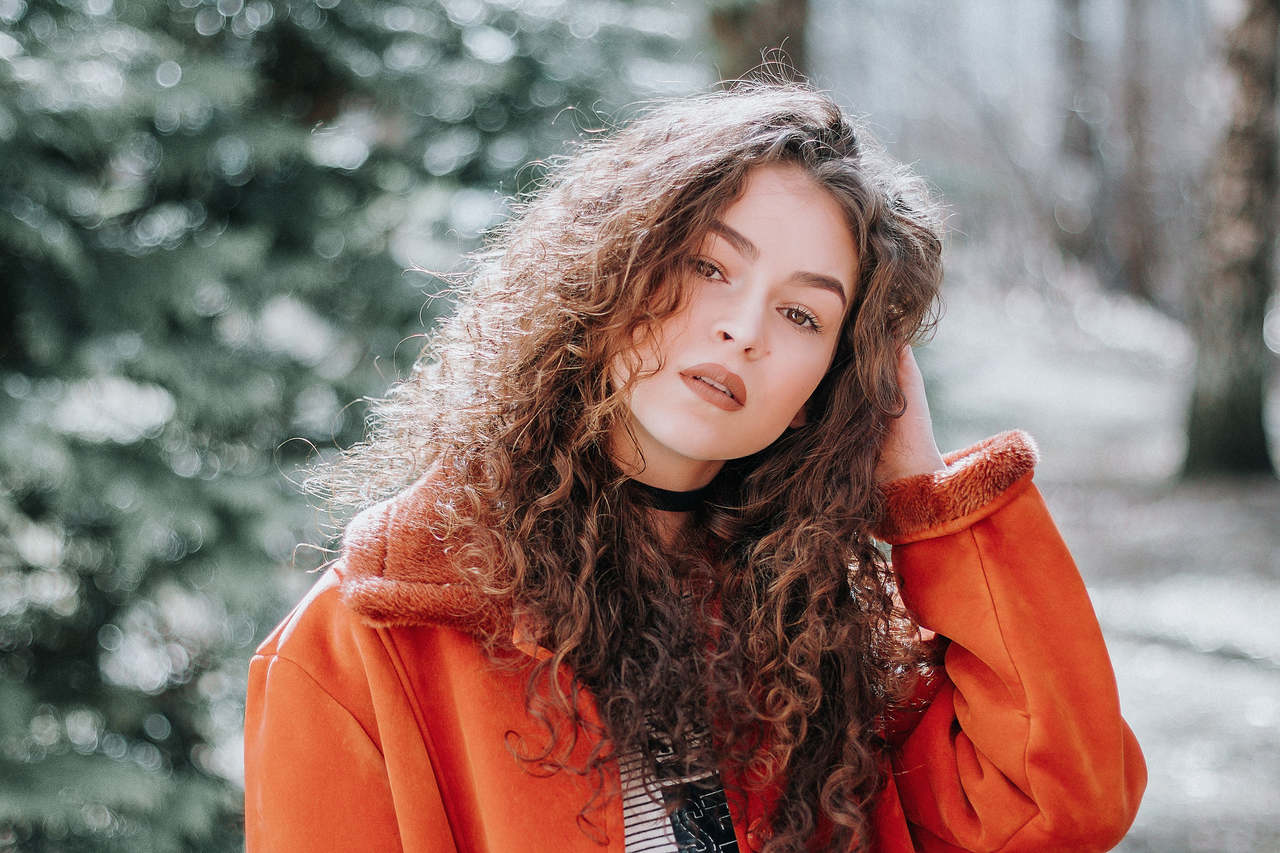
(396, 572)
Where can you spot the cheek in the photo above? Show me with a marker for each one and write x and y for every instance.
(641, 358)
(663, 343)
(807, 382)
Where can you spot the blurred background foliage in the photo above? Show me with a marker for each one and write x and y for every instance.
(212, 214)
(207, 211)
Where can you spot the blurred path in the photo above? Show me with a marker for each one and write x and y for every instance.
(1185, 577)
(1185, 584)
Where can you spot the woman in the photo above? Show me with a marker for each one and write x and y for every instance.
(634, 598)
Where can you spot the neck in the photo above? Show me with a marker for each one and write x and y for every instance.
(668, 525)
(662, 471)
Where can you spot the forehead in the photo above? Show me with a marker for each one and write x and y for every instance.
(787, 222)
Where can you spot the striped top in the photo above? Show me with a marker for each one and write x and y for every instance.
(701, 823)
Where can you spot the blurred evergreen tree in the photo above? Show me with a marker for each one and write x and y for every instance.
(206, 211)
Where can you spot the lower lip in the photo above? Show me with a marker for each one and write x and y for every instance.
(711, 395)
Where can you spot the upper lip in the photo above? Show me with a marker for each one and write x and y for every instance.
(720, 375)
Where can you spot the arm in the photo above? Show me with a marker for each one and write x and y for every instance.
(1023, 747)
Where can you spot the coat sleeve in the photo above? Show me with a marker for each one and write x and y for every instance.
(1023, 747)
(333, 757)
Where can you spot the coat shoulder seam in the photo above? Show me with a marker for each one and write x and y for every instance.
(276, 656)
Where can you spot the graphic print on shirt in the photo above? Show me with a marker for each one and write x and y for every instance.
(670, 813)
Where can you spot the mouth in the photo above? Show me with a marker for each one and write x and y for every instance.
(716, 384)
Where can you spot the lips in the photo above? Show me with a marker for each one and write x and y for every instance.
(716, 384)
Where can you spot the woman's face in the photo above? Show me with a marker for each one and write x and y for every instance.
(765, 298)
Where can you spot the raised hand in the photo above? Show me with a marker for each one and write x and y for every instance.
(910, 447)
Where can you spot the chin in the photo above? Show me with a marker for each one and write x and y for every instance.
(708, 448)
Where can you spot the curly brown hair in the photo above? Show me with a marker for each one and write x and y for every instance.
(770, 620)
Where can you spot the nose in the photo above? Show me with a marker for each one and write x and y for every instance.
(742, 325)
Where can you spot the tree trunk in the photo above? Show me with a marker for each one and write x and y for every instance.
(1078, 179)
(1225, 430)
(747, 31)
(1079, 206)
(1136, 229)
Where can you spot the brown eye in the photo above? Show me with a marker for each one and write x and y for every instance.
(706, 269)
(801, 318)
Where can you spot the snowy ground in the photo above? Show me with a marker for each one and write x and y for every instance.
(1185, 576)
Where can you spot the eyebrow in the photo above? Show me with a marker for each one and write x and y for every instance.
(749, 250)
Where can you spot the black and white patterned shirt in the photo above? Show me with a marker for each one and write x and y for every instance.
(700, 825)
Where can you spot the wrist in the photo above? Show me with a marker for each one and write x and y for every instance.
(976, 482)
(925, 461)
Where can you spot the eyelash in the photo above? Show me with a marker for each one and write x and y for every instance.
(808, 320)
(705, 268)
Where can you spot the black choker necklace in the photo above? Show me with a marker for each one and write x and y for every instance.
(669, 501)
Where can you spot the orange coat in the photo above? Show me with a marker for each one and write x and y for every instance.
(375, 723)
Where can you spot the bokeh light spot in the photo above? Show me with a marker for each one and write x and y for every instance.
(168, 74)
